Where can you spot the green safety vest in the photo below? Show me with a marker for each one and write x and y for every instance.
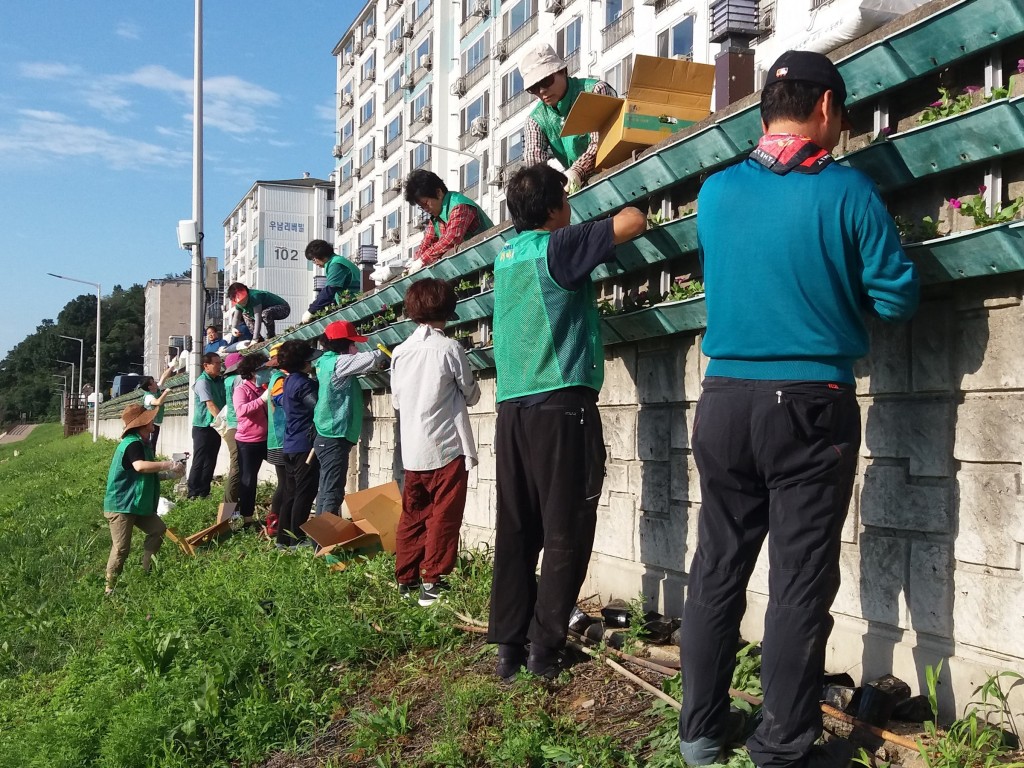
(229, 400)
(203, 417)
(339, 410)
(452, 199)
(344, 275)
(258, 298)
(275, 416)
(130, 492)
(566, 149)
(545, 337)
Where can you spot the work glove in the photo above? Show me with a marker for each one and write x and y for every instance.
(235, 332)
(574, 181)
(265, 397)
(306, 317)
(243, 344)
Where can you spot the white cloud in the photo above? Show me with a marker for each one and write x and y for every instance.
(41, 134)
(324, 111)
(48, 70)
(127, 30)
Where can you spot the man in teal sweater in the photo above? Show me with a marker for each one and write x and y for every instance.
(796, 250)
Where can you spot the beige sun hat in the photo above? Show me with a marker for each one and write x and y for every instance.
(136, 415)
(537, 62)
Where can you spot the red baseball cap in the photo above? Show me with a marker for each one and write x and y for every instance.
(342, 329)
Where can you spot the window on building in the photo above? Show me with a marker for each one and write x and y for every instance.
(393, 220)
(422, 51)
(519, 14)
(511, 85)
(366, 236)
(618, 76)
(512, 147)
(370, 67)
(348, 129)
(346, 170)
(366, 111)
(421, 101)
(395, 35)
(393, 174)
(330, 222)
(569, 38)
(421, 8)
(613, 9)
(677, 41)
(476, 108)
(369, 23)
(475, 54)
(420, 155)
(366, 153)
(346, 250)
(346, 89)
(346, 211)
(393, 129)
(348, 49)
(330, 193)
(366, 195)
(393, 83)
(470, 174)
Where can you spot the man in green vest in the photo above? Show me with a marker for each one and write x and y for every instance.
(343, 278)
(255, 309)
(209, 399)
(546, 76)
(548, 439)
(133, 491)
(338, 415)
(454, 217)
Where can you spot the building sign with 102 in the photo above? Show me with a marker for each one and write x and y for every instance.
(286, 243)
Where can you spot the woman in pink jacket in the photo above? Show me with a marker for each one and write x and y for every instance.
(250, 401)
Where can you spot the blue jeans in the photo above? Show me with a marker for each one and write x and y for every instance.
(332, 453)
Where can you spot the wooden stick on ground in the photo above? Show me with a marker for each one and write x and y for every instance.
(628, 675)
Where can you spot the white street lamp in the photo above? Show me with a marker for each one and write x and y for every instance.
(446, 149)
(81, 359)
(96, 391)
(68, 362)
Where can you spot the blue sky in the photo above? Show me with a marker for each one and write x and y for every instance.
(96, 132)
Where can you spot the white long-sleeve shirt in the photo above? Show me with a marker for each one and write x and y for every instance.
(432, 386)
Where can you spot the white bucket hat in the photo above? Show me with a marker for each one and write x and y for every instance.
(537, 62)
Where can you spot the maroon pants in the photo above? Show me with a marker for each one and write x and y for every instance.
(427, 540)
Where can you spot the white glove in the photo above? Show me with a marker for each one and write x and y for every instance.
(265, 397)
(235, 332)
(306, 317)
(243, 344)
(574, 182)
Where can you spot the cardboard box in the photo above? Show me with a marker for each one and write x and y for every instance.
(219, 528)
(664, 96)
(375, 513)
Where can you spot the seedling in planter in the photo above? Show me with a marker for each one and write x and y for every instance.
(605, 308)
(911, 232)
(975, 208)
(684, 288)
(465, 288)
(655, 219)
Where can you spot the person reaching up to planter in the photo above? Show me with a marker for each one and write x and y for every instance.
(339, 409)
(432, 386)
(230, 426)
(777, 431)
(209, 399)
(258, 309)
(548, 440)
(250, 406)
(302, 468)
(153, 400)
(275, 436)
(454, 218)
(133, 492)
(340, 275)
(546, 76)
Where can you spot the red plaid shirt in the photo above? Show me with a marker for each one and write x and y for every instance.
(462, 219)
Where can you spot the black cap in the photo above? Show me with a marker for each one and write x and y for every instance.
(809, 67)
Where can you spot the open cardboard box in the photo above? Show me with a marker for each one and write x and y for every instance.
(664, 96)
(375, 513)
(219, 528)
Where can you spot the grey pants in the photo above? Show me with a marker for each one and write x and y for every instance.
(121, 526)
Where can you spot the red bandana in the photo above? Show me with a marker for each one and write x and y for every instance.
(785, 152)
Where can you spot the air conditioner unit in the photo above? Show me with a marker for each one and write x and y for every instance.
(646, 2)
(357, 216)
(394, 235)
(478, 127)
(459, 87)
(408, 29)
(766, 18)
(500, 51)
(423, 221)
(357, 173)
(409, 82)
(426, 62)
(396, 185)
(482, 8)
(338, 151)
(340, 226)
(347, 100)
(394, 4)
(382, 153)
(370, 31)
(396, 46)
(555, 6)
(497, 177)
(371, 75)
(358, 47)
(350, 59)
(425, 114)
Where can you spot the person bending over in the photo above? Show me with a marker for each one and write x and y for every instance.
(454, 218)
(257, 309)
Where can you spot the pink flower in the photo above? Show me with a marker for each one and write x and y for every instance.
(972, 88)
(936, 103)
(954, 203)
(981, 189)
(886, 130)
(1020, 66)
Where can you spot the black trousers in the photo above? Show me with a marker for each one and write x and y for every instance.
(778, 457)
(550, 469)
(301, 482)
(205, 446)
(250, 459)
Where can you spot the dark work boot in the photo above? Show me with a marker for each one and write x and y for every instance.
(511, 659)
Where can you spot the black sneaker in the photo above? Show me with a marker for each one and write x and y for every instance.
(408, 591)
(544, 662)
(511, 659)
(431, 592)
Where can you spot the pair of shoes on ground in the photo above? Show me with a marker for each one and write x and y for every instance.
(837, 753)
(547, 663)
(427, 593)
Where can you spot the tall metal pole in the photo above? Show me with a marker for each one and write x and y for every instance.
(96, 390)
(68, 362)
(81, 359)
(198, 289)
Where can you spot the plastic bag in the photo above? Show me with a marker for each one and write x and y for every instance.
(164, 506)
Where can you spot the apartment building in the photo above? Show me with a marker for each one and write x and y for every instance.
(168, 313)
(435, 84)
(265, 239)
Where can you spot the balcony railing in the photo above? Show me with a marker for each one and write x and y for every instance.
(618, 30)
(415, 225)
(521, 35)
(366, 211)
(346, 144)
(661, 5)
(392, 146)
(515, 104)
(366, 167)
(572, 62)
(393, 52)
(472, 189)
(476, 74)
(367, 124)
(424, 18)
(393, 99)
(392, 8)
(416, 126)
(466, 139)
(389, 195)
(469, 24)
(424, 163)
(344, 185)
(344, 226)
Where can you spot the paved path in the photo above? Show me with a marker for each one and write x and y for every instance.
(17, 433)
